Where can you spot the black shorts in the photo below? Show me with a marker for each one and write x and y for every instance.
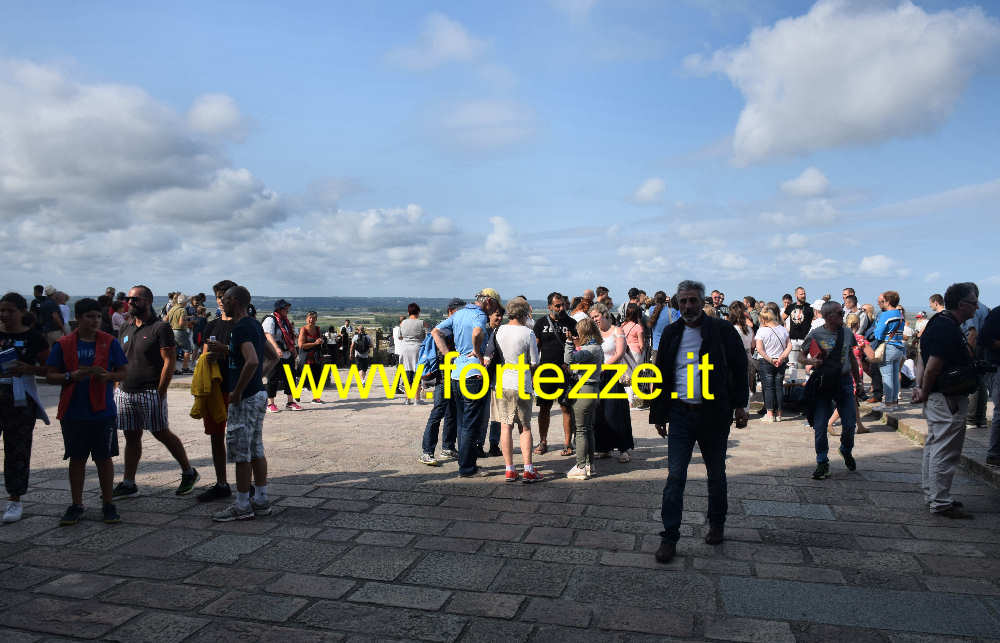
(90, 438)
(548, 388)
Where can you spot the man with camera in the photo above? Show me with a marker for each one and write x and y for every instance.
(694, 348)
(950, 374)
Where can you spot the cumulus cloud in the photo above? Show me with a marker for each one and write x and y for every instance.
(881, 266)
(576, 9)
(932, 276)
(485, 125)
(847, 73)
(650, 191)
(810, 183)
(217, 115)
(821, 269)
(442, 41)
(791, 240)
(815, 212)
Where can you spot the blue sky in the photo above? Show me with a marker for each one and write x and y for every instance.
(431, 149)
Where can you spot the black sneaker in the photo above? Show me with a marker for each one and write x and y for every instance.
(72, 516)
(848, 460)
(215, 492)
(125, 490)
(187, 482)
(822, 471)
(111, 516)
(494, 451)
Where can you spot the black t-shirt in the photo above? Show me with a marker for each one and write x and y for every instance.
(28, 345)
(220, 329)
(800, 318)
(245, 330)
(989, 333)
(942, 338)
(142, 346)
(552, 337)
(35, 308)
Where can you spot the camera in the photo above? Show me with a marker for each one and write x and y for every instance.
(982, 367)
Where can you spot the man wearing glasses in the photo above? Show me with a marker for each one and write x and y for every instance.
(944, 348)
(142, 398)
(551, 334)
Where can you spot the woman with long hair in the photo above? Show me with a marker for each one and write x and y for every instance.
(19, 403)
(613, 420)
(634, 328)
(889, 330)
(310, 343)
(744, 328)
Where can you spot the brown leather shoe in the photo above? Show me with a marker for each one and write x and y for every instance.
(666, 552)
(715, 535)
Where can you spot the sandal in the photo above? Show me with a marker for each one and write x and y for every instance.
(541, 448)
(567, 452)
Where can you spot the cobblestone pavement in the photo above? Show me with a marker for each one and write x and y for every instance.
(366, 543)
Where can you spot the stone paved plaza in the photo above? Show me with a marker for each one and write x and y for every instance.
(367, 544)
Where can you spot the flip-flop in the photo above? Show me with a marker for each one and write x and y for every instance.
(566, 452)
(541, 448)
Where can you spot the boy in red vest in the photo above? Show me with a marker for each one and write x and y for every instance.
(86, 363)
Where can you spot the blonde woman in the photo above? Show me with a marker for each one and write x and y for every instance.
(516, 342)
(773, 347)
(585, 348)
(613, 421)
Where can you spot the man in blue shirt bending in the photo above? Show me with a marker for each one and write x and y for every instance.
(468, 326)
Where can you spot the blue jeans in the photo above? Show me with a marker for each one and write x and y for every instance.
(846, 405)
(469, 414)
(773, 378)
(687, 426)
(443, 410)
(890, 373)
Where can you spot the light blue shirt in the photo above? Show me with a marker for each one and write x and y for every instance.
(976, 321)
(890, 321)
(667, 316)
(461, 325)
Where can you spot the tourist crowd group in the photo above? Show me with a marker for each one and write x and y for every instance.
(115, 358)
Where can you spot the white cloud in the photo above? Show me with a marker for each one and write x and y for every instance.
(498, 77)
(650, 191)
(815, 212)
(882, 266)
(848, 73)
(821, 269)
(442, 41)
(483, 125)
(810, 183)
(791, 240)
(931, 277)
(217, 115)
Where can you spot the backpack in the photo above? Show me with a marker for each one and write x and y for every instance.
(428, 356)
(362, 343)
(280, 337)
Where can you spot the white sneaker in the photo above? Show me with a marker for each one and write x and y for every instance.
(624, 457)
(13, 512)
(576, 473)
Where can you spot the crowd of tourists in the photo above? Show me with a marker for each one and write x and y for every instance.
(114, 357)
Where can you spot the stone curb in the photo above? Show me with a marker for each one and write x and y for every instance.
(977, 468)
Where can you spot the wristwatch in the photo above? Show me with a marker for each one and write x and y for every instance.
(68, 377)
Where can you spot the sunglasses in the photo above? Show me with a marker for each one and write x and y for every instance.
(130, 299)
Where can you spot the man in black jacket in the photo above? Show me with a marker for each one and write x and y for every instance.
(704, 370)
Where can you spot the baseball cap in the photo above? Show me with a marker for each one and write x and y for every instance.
(50, 290)
(491, 293)
(281, 303)
(456, 303)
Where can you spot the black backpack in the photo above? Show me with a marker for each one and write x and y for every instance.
(362, 343)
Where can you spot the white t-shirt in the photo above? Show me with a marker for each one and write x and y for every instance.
(270, 327)
(690, 344)
(513, 342)
(775, 339)
(578, 315)
(397, 339)
(907, 369)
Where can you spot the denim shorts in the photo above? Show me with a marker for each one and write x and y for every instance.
(183, 338)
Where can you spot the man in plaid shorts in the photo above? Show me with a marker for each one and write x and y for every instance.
(250, 355)
(141, 399)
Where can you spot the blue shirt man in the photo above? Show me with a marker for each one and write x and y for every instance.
(469, 326)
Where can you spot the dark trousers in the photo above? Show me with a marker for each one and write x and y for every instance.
(876, 374)
(277, 376)
(687, 427)
(469, 414)
(773, 379)
(17, 424)
(442, 411)
(977, 405)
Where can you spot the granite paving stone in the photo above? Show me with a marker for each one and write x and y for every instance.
(309, 585)
(156, 569)
(156, 627)
(79, 585)
(226, 548)
(86, 619)
(165, 542)
(242, 604)
(373, 563)
(424, 598)
(532, 578)
(490, 631)
(748, 629)
(164, 596)
(383, 622)
(295, 555)
(489, 604)
(604, 540)
(455, 571)
(21, 577)
(857, 606)
(486, 531)
(652, 621)
(549, 536)
(690, 592)
(788, 509)
(557, 612)
(232, 577)
(443, 543)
